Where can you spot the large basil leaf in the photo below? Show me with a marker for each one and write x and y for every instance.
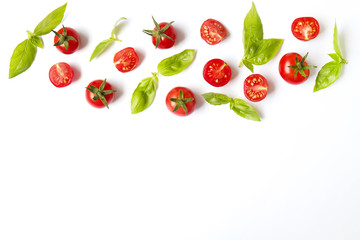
(22, 58)
(263, 51)
(144, 94)
(253, 29)
(51, 21)
(244, 109)
(176, 63)
(327, 75)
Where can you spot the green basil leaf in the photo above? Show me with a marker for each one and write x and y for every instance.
(144, 94)
(176, 63)
(327, 75)
(336, 44)
(51, 21)
(216, 98)
(36, 41)
(336, 57)
(22, 58)
(243, 109)
(248, 65)
(101, 48)
(263, 51)
(116, 27)
(253, 29)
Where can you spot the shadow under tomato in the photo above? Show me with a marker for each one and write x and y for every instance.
(84, 40)
(115, 83)
(77, 72)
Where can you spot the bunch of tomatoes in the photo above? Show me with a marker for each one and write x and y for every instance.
(180, 100)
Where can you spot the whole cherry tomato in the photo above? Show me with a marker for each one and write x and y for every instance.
(163, 36)
(181, 101)
(293, 68)
(99, 93)
(67, 40)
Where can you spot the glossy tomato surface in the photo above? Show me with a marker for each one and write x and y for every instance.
(212, 31)
(305, 28)
(61, 74)
(73, 41)
(90, 95)
(181, 101)
(166, 42)
(126, 59)
(256, 87)
(217, 72)
(288, 73)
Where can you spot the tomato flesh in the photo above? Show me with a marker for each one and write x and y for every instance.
(126, 59)
(305, 28)
(212, 31)
(73, 44)
(255, 87)
(217, 72)
(98, 103)
(188, 97)
(61, 74)
(287, 73)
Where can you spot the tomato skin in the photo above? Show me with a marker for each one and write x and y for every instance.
(287, 73)
(166, 43)
(255, 87)
(174, 94)
(305, 28)
(126, 60)
(212, 31)
(89, 95)
(217, 72)
(61, 74)
(73, 45)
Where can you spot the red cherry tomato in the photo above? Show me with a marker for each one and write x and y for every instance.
(217, 72)
(255, 87)
(99, 93)
(293, 68)
(212, 31)
(67, 40)
(61, 74)
(163, 35)
(181, 101)
(305, 28)
(126, 60)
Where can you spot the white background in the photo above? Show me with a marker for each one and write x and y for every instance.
(70, 171)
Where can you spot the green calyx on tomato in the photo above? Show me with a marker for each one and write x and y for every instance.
(299, 67)
(99, 93)
(63, 38)
(181, 102)
(159, 32)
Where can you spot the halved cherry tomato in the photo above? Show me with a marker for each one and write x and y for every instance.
(212, 31)
(305, 28)
(67, 40)
(255, 87)
(126, 60)
(293, 68)
(181, 101)
(61, 74)
(99, 93)
(217, 72)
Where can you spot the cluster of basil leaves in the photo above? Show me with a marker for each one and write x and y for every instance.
(24, 54)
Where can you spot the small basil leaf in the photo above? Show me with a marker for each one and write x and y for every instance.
(263, 51)
(51, 21)
(335, 57)
(143, 95)
(116, 27)
(243, 109)
(248, 65)
(36, 41)
(216, 98)
(176, 63)
(22, 58)
(327, 75)
(253, 29)
(100, 48)
(336, 44)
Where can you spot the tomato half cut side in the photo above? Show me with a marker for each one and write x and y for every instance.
(305, 28)
(217, 72)
(126, 60)
(61, 74)
(212, 31)
(255, 87)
